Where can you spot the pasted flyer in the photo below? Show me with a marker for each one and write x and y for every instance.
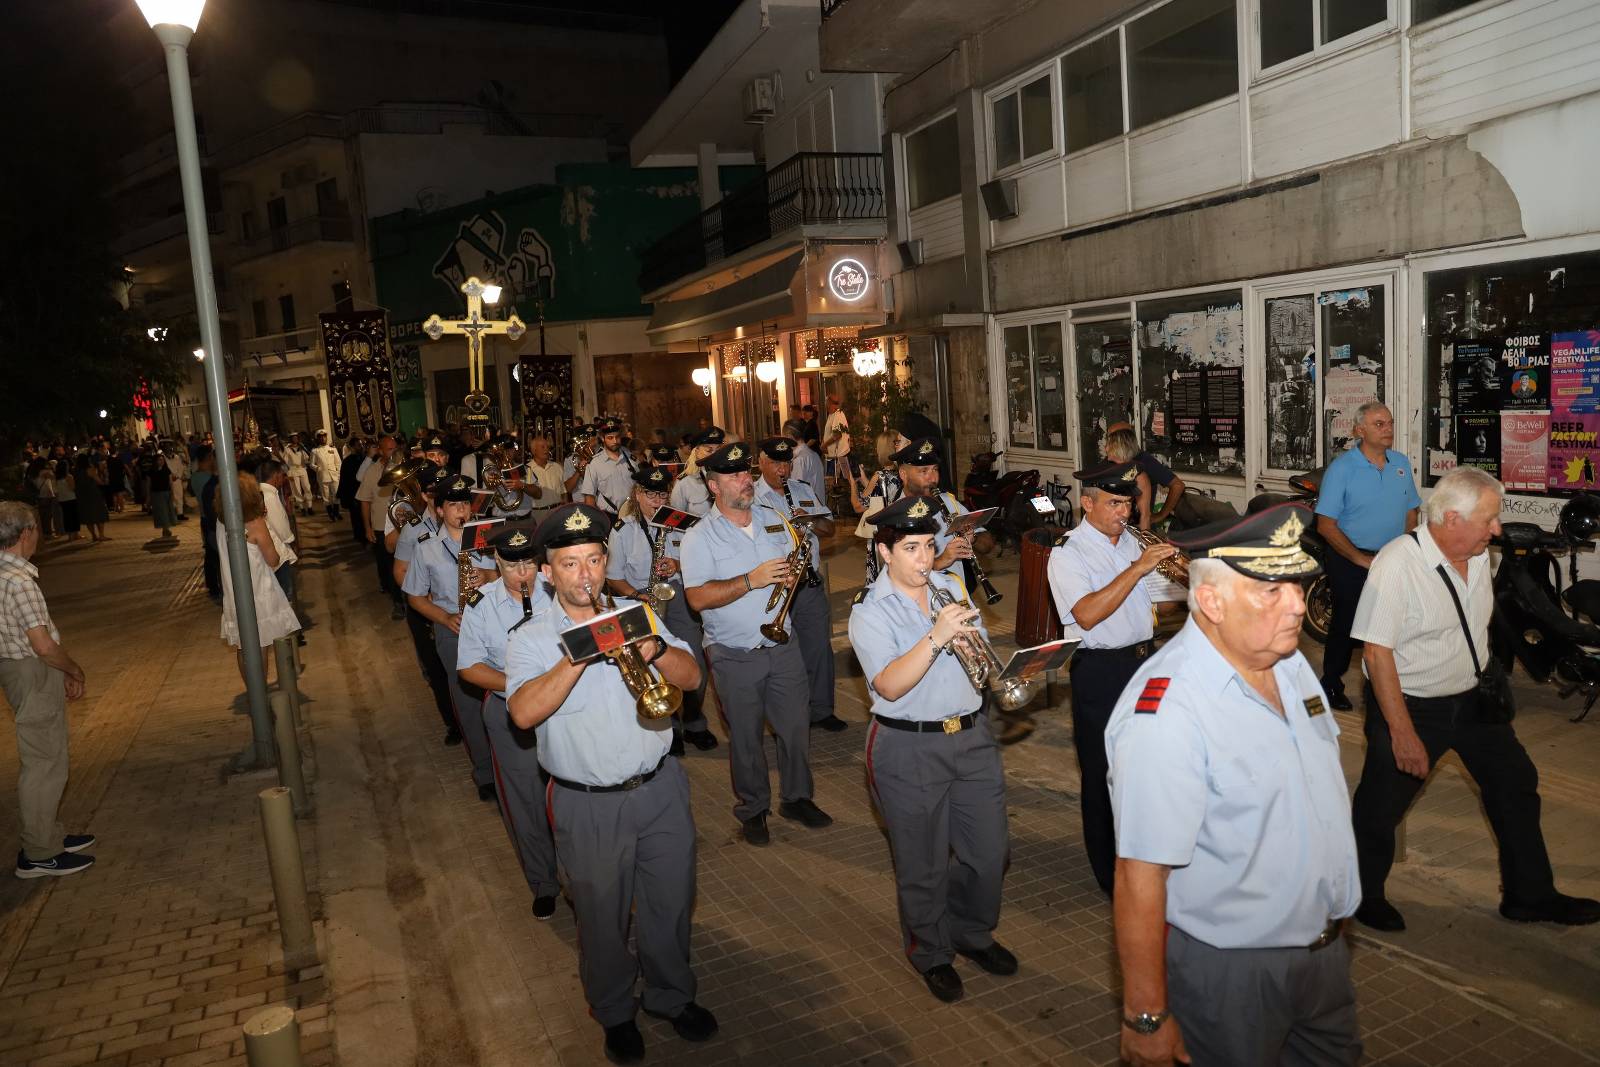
(1524, 446)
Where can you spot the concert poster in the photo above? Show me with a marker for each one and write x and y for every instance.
(1525, 372)
(1476, 376)
(1478, 442)
(1524, 448)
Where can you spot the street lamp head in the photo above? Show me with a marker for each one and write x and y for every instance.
(491, 293)
(768, 371)
(199, 355)
(102, 413)
(184, 13)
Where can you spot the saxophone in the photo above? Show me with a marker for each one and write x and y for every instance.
(467, 576)
(659, 590)
(978, 658)
(1174, 568)
(655, 697)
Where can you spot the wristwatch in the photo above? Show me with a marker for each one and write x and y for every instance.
(1145, 1022)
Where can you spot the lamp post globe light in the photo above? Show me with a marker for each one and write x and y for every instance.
(174, 23)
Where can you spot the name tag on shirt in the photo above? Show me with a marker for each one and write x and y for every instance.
(1314, 706)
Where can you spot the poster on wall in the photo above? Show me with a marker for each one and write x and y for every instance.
(1180, 340)
(1345, 390)
(1524, 447)
(1575, 373)
(1224, 397)
(1291, 368)
(1475, 378)
(1525, 372)
(1477, 445)
(1187, 402)
(1573, 453)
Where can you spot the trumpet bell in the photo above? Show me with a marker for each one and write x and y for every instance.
(403, 471)
(1014, 694)
(661, 592)
(775, 633)
(662, 700)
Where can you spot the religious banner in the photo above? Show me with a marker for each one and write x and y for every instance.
(546, 385)
(356, 346)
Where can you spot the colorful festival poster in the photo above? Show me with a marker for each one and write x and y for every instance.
(1524, 441)
(1575, 373)
(1478, 443)
(1573, 452)
(1525, 372)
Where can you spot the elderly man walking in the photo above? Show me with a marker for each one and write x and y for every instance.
(38, 678)
(1425, 619)
(1367, 499)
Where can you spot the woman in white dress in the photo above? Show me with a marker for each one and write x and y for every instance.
(274, 617)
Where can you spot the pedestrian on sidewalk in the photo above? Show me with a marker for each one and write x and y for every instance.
(92, 511)
(43, 473)
(274, 617)
(158, 488)
(273, 478)
(350, 471)
(67, 497)
(374, 500)
(1424, 616)
(206, 494)
(326, 462)
(39, 678)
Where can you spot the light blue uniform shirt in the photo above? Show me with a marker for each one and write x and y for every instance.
(887, 624)
(629, 549)
(1086, 564)
(595, 736)
(808, 466)
(953, 507)
(1368, 504)
(433, 572)
(1250, 809)
(609, 481)
(689, 493)
(405, 543)
(486, 625)
(714, 549)
(806, 501)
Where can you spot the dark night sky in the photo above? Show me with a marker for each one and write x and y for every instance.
(689, 24)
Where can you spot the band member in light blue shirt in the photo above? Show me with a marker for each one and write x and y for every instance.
(609, 478)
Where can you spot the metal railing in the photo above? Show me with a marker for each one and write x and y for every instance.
(808, 188)
(302, 231)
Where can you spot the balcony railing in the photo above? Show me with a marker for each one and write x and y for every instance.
(811, 188)
(300, 232)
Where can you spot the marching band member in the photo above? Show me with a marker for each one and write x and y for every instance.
(618, 802)
(633, 546)
(432, 585)
(492, 612)
(575, 466)
(689, 493)
(608, 480)
(732, 562)
(421, 629)
(918, 466)
(933, 767)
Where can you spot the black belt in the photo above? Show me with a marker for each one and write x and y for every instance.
(621, 787)
(953, 725)
(1329, 935)
(1142, 650)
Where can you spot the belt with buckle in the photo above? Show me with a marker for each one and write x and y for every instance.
(953, 725)
(1329, 935)
(621, 787)
(1138, 651)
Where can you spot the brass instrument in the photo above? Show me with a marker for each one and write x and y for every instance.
(978, 659)
(813, 576)
(406, 505)
(468, 577)
(659, 590)
(1174, 568)
(991, 595)
(785, 591)
(492, 468)
(656, 697)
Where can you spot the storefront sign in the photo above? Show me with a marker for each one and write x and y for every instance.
(848, 280)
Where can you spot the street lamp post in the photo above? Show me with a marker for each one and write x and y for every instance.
(174, 22)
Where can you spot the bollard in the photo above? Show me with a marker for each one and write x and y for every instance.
(272, 1038)
(288, 675)
(291, 775)
(288, 880)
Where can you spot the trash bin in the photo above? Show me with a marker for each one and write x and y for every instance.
(1037, 621)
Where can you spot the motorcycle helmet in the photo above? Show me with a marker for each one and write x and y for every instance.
(1580, 517)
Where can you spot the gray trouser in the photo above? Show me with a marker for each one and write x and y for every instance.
(1244, 1007)
(813, 628)
(943, 800)
(630, 851)
(521, 789)
(469, 709)
(38, 696)
(757, 687)
(683, 626)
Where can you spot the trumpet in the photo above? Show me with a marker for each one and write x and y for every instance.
(507, 498)
(1174, 568)
(655, 697)
(785, 591)
(977, 657)
(660, 590)
(406, 505)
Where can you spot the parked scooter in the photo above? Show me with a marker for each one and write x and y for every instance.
(1012, 494)
(1303, 489)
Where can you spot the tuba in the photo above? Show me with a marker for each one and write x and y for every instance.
(797, 559)
(406, 506)
(656, 697)
(978, 659)
(492, 469)
(1173, 568)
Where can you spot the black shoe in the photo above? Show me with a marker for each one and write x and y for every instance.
(755, 830)
(452, 736)
(57, 866)
(996, 959)
(704, 740)
(486, 792)
(1379, 914)
(804, 811)
(693, 1023)
(1339, 702)
(944, 982)
(396, 612)
(833, 724)
(676, 748)
(1560, 909)
(77, 842)
(544, 908)
(624, 1043)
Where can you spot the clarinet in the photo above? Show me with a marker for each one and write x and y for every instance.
(527, 610)
(991, 595)
(813, 579)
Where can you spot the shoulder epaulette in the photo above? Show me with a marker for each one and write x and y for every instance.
(474, 597)
(423, 537)
(1058, 542)
(861, 594)
(619, 524)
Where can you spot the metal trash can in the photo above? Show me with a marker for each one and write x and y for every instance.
(1037, 621)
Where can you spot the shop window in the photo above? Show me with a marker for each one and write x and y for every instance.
(1292, 28)
(1423, 10)
(1191, 381)
(1103, 353)
(1024, 123)
(1036, 388)
(1091, 92)
(1325, 352)
(933, 163)
(1181, 56)
(1513, 372)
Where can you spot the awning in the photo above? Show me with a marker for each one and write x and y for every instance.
(766, 295)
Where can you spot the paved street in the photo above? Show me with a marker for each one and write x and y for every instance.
(429, 953)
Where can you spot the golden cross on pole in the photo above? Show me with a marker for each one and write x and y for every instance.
(474, 327)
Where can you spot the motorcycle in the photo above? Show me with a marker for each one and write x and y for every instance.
(1012, 494)
(1303, 489)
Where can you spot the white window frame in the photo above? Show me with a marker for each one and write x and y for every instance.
(903, 165)
(1122, 79)
(1320, 49)
(1013, 87)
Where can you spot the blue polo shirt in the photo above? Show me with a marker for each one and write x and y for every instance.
(1369, 504)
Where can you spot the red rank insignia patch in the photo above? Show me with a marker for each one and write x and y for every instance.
(1150, 698)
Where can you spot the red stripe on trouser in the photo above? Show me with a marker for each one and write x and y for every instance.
(549, 806)
(872, 736)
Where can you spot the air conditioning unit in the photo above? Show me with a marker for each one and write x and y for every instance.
(299, 174)
(1000, 199)
(760, 101)
(911, 253)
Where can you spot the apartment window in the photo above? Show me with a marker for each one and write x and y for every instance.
(1292, 28)
(328, 198)
(1423, 10)
(1035, 386)
(247, 224)
(1024, 125)
(933, 163)
(1091, 92)
(258, 316)
(286, 311)
(1181, 56)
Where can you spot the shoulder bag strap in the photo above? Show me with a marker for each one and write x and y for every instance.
(1462, 615)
